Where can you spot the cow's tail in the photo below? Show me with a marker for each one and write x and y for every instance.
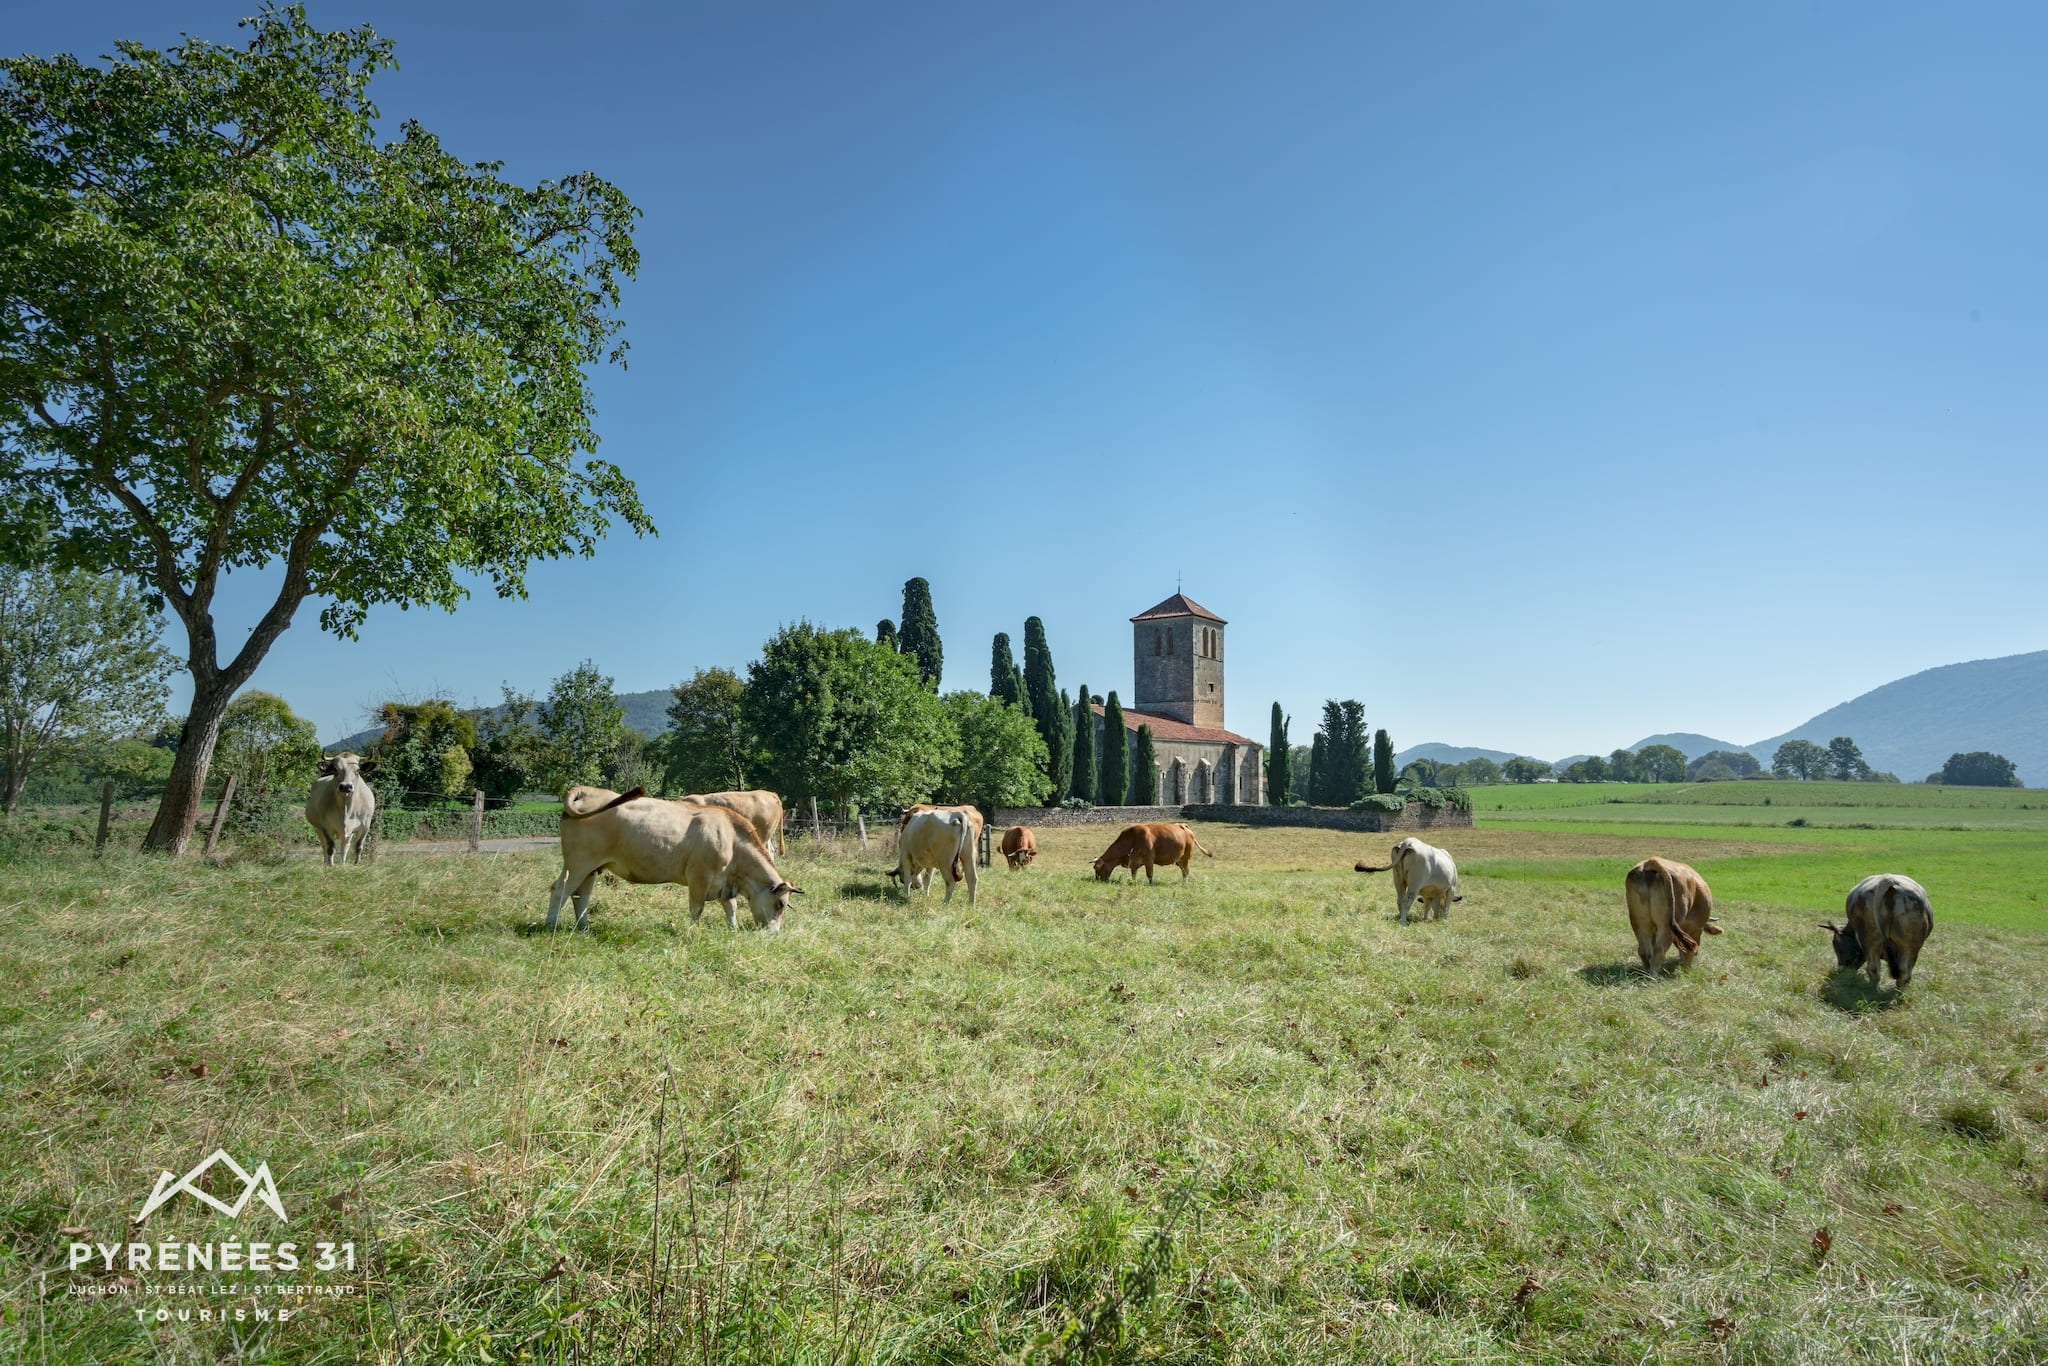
(568, 813)
(1368, 868)
(1685, 941)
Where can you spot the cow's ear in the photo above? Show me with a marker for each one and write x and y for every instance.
(325, 768)
(786, 889)
(367, 767)
(1832, 928)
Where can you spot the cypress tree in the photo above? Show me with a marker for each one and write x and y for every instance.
(1005, 681)
(919, 634)
(1276, 760)
(1355, 755)
(1116, 755)
(1382, 762)
(1085, 777)
(1148, 770)
(1318, 793)
(885, 633)
(1042, 694)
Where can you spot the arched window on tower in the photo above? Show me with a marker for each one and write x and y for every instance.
(1169, 640)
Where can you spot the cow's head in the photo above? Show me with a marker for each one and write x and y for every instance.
(777, 899)
(1848, 949)
(346, 770)
(1104, 866)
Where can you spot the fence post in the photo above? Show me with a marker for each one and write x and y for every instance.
(99, 843)
(817, 830)
(987, 837)
(476, 823)
(220, 811)
(861, 821)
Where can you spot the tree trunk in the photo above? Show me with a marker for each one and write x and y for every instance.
(184, 793)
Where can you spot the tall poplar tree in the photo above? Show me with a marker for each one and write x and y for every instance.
(918, 632)
(885, 633)
(1085, 784)
(1318, 781)
(1063, 755)
(1276, 760)
(1115, 779)
(1047, 709)
(1147, 793)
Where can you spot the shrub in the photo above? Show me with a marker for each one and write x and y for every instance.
(1381, 801)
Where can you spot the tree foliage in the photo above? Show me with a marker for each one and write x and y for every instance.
(1383, 778)
(236, 331)
(1147, 762)
(79, 662)
(845, 720)
(423, 756)
(1523, 769)
(885, 633)
(1005, 679)
(1660, 764)
(1049, 709)
(918, 635)
(1707, 768)
(581, 723)
(1116, 754)
(271, 750)
(1086, 780)
(1845, 760)
(1344, 765)
(1000, 759)
(1277, 754)
(1980, 768)
(707, 747)
(1800, 759)
(511, 755)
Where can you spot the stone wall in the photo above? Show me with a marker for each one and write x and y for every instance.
(1416, 817)
(1043, 817)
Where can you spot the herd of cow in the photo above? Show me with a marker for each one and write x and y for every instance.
(721, 846)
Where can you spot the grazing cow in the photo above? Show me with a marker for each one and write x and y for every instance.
(974, 818)
(1889, 918)
(762, 808)
(712, 850)
(341, 805)
(1019, 847)
(1421, 871)
(1668, 903)
(939, 840)
(1148, 847)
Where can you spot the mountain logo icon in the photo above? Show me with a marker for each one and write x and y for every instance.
(257, 1184)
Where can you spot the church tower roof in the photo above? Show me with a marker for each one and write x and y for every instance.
(1180, 605)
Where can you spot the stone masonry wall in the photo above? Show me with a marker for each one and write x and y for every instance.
(1043, 817)
(1416, 817)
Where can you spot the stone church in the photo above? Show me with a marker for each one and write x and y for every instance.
(1177, 669)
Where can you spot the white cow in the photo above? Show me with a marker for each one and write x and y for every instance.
(341, 805)
(711, 850)
(941, 840)
(1424, 871)
(1889, 919)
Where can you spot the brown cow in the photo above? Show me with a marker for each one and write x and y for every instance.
(1019, 848)
(762, 808)
(1668, 903)
(1149, 846)
(712, 850)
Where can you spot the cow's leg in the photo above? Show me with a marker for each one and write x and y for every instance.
(967, 864)
(946, 872)
(1406, 899)
(732, 914)
(583, 900)
(327, 847)
(697, 899)
(556, 895)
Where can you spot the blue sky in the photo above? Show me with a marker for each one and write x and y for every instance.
(1542, 375)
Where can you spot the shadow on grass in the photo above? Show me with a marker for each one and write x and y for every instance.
(1626, 973)
(1848, 989)
(871, 889)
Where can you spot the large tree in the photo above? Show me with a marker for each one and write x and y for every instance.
(1276, 759)
(1523, 769)
(1345, 747)
(423, 756)
(79, 662)
(1005, 679)
(1660, 764)
(707, 747)
(1800, 759)
(844, 719)
(582, 724)
(269, 748)
(511, 755)
(918, 635)
(1085, 780)
(1000, 760)
(1048, 708)
(1980, 768)
(1383, 775)
(1845, 760)
(1116, 754)
(237, 332)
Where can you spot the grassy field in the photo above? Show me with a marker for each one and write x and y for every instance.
(1246, 1119)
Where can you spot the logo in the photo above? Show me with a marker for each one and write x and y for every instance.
(257, 1184)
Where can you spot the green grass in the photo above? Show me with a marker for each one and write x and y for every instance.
(1908, 805)
(1246, 1119)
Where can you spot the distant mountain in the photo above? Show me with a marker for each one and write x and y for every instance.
(1448, 754)
(1912, 725)
(1690, 745)
(646, 712)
